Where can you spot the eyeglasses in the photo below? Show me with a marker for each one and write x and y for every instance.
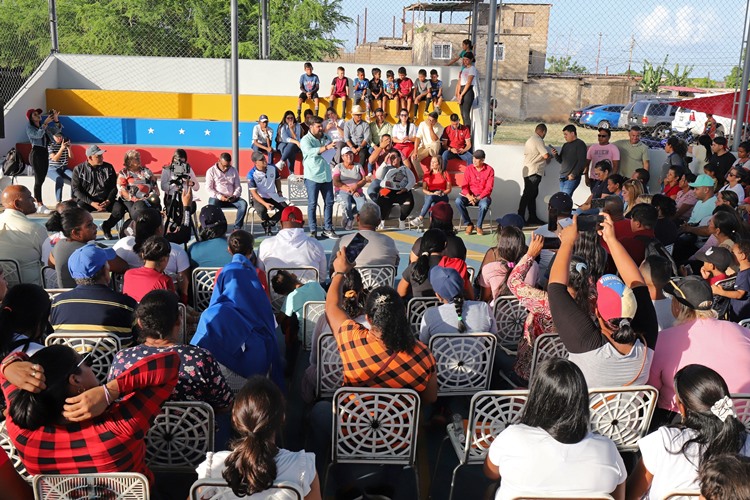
(403, 114)
(730, 174)
(602, 135)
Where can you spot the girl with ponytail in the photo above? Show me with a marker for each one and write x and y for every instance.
(415, 279)
(672, 456)
(455, 315)
(254, 462)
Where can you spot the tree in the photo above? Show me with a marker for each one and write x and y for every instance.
(677, 77)
(564, 65)
(732, 80)
(24, 35)
(704, 83)
(652, 75)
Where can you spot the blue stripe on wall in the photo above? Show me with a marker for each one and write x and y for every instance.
(155, 132)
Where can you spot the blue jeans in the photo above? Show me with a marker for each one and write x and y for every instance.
(61, 179)
(462, 202)
(326, 190)
(240, 205)
(288, 152)
(568, 186)
(429, 200)
(373, 192)
(269, 155)
(465, 157)
(352, 204)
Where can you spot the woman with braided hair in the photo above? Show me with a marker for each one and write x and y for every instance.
(254, 462)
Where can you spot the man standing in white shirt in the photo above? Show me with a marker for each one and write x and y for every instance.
(427, 142)
(535, 159)
(21, 239)
(223, 184)
(292, 247)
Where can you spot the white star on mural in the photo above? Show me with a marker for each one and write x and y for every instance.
(150, 130)
(206, 132)
(182, 131)
(239, 134)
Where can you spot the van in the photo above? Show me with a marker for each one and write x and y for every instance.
(654, 116)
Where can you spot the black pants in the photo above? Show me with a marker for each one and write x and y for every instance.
(528, 198)
(39, 159)
(263, 212)
(404, 200)
(467, 101)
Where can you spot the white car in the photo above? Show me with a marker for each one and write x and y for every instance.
(695, 121)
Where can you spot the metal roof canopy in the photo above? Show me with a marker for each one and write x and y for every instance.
(447, 6)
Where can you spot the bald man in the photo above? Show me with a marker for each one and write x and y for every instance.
(21, 238)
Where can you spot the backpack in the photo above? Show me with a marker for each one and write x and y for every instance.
(12, 165)
(656, 247)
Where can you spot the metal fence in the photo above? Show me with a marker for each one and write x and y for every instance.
(672, 42)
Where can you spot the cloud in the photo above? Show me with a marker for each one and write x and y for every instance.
(683, 26)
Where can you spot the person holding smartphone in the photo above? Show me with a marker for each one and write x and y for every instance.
(60, 154)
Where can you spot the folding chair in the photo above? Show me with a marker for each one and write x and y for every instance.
(546, 346)
(117, 282)
(312, 310)
(54, 292)
(329, 375)
(203, 280)
(10, 449)
(180, 436)
(464, 362)
(304, 274)
(490, 413)
(102, 347)
(510, 316)
(742, 407)
(375, 276)
(298, 194)
(217, 489)
(111, 485)
(49, 277)
(415, 310)
(487, 217)
(623, 414)
(11, 271)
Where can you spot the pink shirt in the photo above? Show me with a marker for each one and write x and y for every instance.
(597, 153)
(223, 183)
(721, 345)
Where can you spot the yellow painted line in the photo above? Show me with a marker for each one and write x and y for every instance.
(470, 254)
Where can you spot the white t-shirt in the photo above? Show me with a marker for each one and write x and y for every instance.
(334, 133)
(664, 314)
(737, 189)
(672, 470)
(465, 73)
(178, 257)
(530, 460)
(400, 132)
(296, 467)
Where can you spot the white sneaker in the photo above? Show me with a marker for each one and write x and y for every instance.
(402, 224)
(349, 224)
(416, 221)
(381, 226)
(41, 209)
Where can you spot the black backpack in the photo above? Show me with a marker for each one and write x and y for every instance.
(655, 247)
(12, 165)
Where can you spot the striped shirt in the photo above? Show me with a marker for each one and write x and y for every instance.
(52, 149)
(94, 308)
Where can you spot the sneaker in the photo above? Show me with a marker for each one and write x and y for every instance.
(469, 228)
(416, 221)
(107, 234)
(41, 209)
(349, 224)
(402, 224)
(331, 234)
(381, 226)
(314, 234)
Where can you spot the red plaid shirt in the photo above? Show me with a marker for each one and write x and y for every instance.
(364, 356)
(112, 442)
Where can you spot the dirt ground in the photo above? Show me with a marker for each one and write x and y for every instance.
(517, 133)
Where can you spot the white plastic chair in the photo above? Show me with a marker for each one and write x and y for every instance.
(375, 276)
(490, 413)
(49, 277)
(180, 436)
(217, 489)
(235, 381)
(546, 346)
(111, 485)
(117, 282)
(305, 274)
(54, 292)
(623, 414)
(415, 310)
(510, 316)
(203, 279)
(312, 310)
(101, 347)
(463, 361)
(377, 426)
(487, 217)
(298, 194)
(11, 271)
(329, 375)
(10, 449)
(742, 407)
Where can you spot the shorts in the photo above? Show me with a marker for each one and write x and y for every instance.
(362, 94)
(303, 95)
(340, 96)
(405, 148)
(404, 96)
(433, 96)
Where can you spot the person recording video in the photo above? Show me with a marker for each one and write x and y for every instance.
(181, 172)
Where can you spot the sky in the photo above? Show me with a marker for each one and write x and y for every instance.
(703, 34)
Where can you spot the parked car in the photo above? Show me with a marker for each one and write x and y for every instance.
(624, 115)
(686, 119)
(575, 115)
(605, 116)
(654, 116)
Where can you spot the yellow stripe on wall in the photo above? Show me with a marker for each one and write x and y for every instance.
(171, 105)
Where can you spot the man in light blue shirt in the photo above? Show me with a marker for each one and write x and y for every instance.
(318, 177)
(704, 207)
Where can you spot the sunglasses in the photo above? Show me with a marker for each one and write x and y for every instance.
(403, 114)
(602, 135)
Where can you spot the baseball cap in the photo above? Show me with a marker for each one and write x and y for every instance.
(211, 216)
(702, 180)
(511, 219)
(718, 256)
(442, 211)
(291, 214)
(94, 150)
(29, 112)
(562, 202)
(263, 118)
(446, 282)
(346, 150)
(88, 260)
(614, 298)
(479, 154)
(691, 291)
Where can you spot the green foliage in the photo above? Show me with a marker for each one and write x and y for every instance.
(564, 65)
(704, 83)
(677, 77)
(732, 80)
(652, 75)
(24, 34)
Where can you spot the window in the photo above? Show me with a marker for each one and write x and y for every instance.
(523, 20)
(499, 52)
(442, 50)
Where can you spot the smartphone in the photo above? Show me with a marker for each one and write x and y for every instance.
(552, 243)
(590, 222)
(552, 219)
(597, 203)
(355, 247)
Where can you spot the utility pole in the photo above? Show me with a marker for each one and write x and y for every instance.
(598, 53)
(356, 44)
(364, 36)
(630, 57)
(53, 26)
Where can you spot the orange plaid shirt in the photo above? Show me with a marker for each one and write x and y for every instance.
(364, 354)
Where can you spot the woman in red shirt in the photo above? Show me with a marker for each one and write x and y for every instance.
(672, 182)
(141, 280)
(436, 187)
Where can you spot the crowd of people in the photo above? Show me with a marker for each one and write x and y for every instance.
(641, 289)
